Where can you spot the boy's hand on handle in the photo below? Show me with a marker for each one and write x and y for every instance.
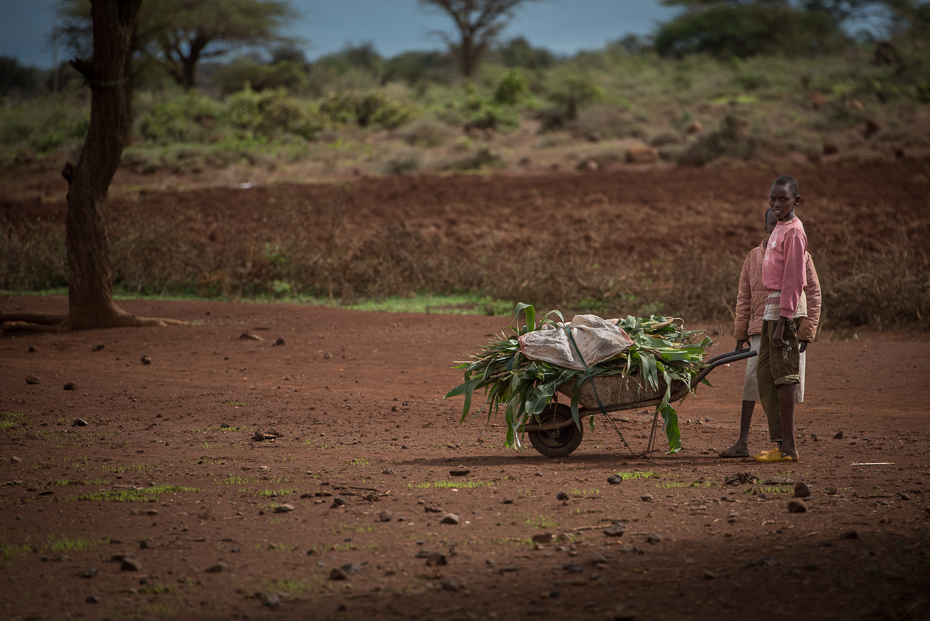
(778, 337)
(802, 346)
(740, 344)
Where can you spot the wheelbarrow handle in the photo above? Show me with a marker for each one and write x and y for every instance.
(726, 358)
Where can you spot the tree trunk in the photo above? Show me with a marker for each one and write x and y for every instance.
(468, 59)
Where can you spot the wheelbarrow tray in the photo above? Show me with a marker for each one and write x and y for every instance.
(621, 392)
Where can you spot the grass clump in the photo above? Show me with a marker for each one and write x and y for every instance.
(148, 494)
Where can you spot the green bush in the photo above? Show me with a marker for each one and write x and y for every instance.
(370, 109)
(187, 118)
(272, 112)
(511, 90)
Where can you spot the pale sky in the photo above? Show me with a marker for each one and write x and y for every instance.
(394, 26)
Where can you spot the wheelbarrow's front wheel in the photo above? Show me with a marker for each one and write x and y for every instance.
(559, 441)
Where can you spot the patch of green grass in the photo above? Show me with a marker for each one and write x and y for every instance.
(66, 482)
(586, 492)
(8, 420)
(768, 489)
(637, 474)
(359, 461)
(537, 520)
(451, 484)
(63, 544)
(135, 495)
(678, 484)
(232, 479)
(8, 552)
(155, 589)
(464, 304)
(293, 587)
(268, 493)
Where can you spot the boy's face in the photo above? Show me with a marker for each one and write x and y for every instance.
(770, 221)
(782, 202)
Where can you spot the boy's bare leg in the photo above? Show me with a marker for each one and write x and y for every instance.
(786, 396)
(741, 447)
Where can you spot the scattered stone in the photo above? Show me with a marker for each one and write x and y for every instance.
(70, 386)
(597, 558)
(507, 501)
(32, 349)
(146, 544)
(849, 534)
(646, 498)
(387, 471)
(33, 379)
(328, 355)
(814, 437)
(641, 154)
(615, 530)
(709, 575)
(251, 337)
(801, 490)
(830, 491)
(830, 147)
(738, 478)
(459, 472)
(903, 496)
(79, 422)
(796, 506)
(654, 538)
(561, 496)
(838, 436)
(129, 564)
(436, 559)
(89, 573)
(337, 573)
(146, 360)
(573, 568)
(15, 459)
(432, 509)
(339, 502)
(422, 553)
(777, 481)
(449, 518)
(217, 569)
(542, 538)
(92, 599)
(386, 515)
(97, 347)
(615, 479)
(278, 341)
(271, 600)
(768, 561)
(285, 508)
(351, 568)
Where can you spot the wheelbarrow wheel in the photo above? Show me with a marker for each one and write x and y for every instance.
(557, 442)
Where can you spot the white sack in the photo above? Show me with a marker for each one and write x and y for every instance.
(597, 339)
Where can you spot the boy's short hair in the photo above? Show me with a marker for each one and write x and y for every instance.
(789, 181)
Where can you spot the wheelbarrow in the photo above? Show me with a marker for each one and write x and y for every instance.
(557, 435)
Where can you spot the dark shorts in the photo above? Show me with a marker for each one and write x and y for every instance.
(783, 366)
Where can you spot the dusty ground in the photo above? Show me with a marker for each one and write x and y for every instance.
(167, 471)
(357, 399)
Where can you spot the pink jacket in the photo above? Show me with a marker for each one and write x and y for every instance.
(750, 299)
(783, 266)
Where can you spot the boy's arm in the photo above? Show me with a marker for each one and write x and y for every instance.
(808, 329)
(743, 305)
(793, 282)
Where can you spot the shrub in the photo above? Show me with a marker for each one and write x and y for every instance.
(187, 118)
(603, 121)
(272, 112)
(366, 109)
(425, 133)
(512, 89)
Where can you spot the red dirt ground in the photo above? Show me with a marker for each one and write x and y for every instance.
(357, 399)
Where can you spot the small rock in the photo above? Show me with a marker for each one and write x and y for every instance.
(542, 538)
(654, 538)
(328, 355)
(278, 341)
(271, 600)
(146, 360)
(777, 481)
(507, 501)
(422, 553)
(814, 437)
(561, 496)
(15, 459)
(97, 347)
(387, 471)
(460, 472)
(768, 561)
(849, 534)
(449, 518)
(740, 477)
(146, 544)
(615, 479)
(450, 585)
(79, 422)
(709, 575)
(69, 386)
(615, 530)
(646, 497)
(386, 515)
(838, 436)
(89, 573)
(32, 349)
(796, 506)
(436, 559)
(129, 564)
(217, 569)
(285, 508)
(597, 558)
(573, 568)
(339, 502)
(337, 573)
(33, 379)
(250, 337)
(625, 549)
(92, 599)
(801, 490)
(351, 568)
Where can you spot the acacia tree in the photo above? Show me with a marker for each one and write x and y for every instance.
(178, 34)
(90, 294)
(478, 22)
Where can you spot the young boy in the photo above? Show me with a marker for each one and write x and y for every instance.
(784, 276)
(747, 327)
